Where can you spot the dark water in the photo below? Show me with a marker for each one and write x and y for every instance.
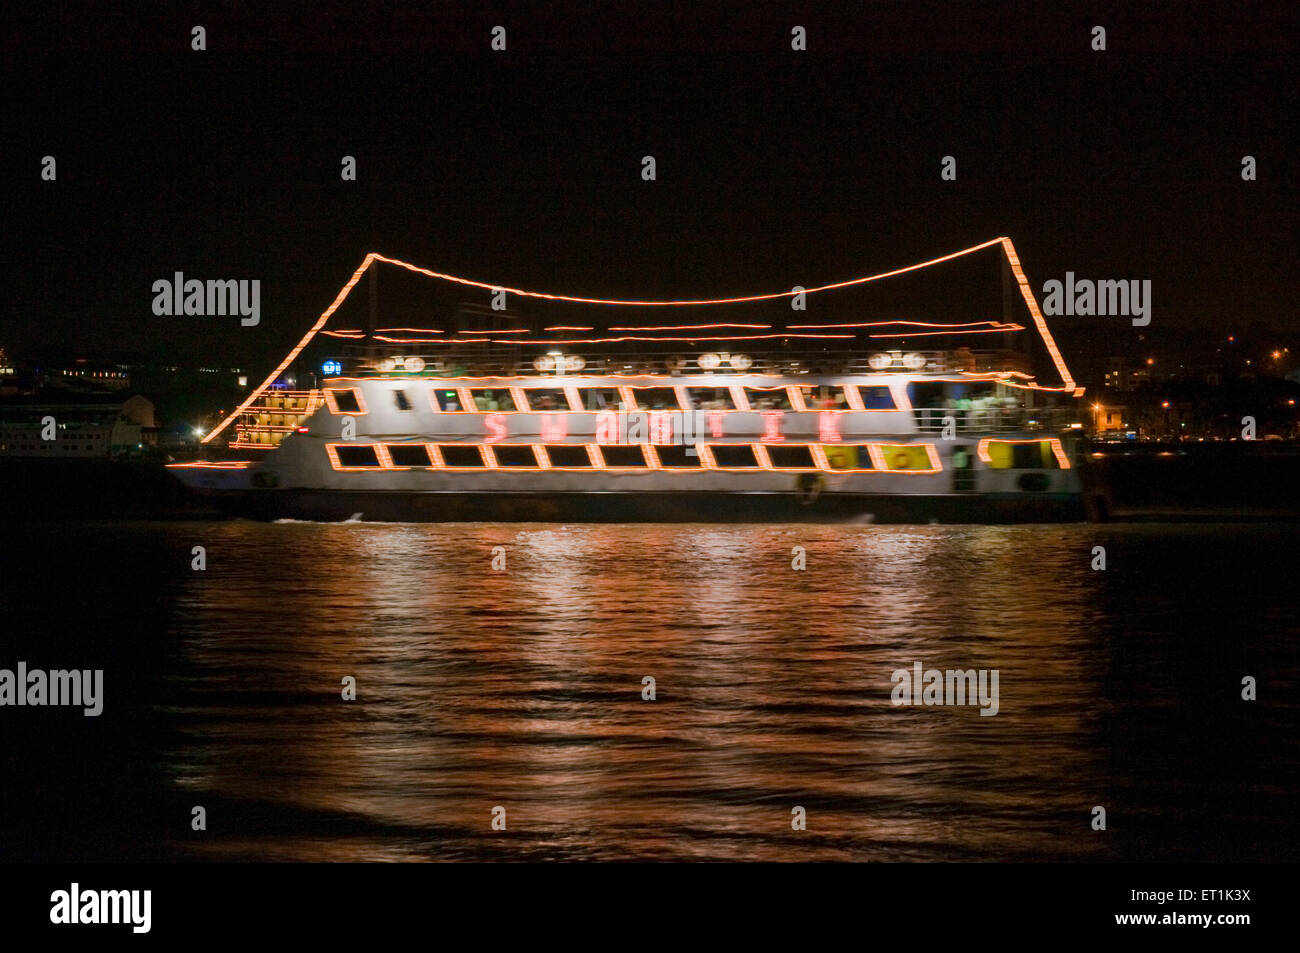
(522, 688)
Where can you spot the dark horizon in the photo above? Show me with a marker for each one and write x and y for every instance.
(522, 167)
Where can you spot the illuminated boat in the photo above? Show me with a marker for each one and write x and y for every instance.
(513, 422)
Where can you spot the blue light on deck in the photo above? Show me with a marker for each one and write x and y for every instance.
(332, 367)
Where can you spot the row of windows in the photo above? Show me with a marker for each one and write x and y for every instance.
(453, 400)
(905, 458)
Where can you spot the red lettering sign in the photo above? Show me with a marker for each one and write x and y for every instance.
(607, 427)
(772, 426)
(554, 428)
(714, 417)
(661, 427)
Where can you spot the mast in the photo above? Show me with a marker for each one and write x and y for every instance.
(374, 308)
(1010, 295)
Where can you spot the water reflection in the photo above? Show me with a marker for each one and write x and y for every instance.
(522, 688)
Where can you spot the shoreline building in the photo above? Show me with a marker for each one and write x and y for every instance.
(81, 424)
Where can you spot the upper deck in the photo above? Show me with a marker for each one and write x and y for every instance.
(885, 392)
(488, 360)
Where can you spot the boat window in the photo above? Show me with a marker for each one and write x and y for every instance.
(655, 398)
(1030, 455)
(847, 456)
(768, 398)
(675, 457)
(547, 398)
(492, 398)
(734, 455)
(514, 455)
(346, 401)
(408, 454)
(631, 456)
(791, 456)
(569, 456)
(926, 394)
(824, 397)
(1042, 455)
(710, 398)
(908, 456)
(599, 398)
(462, 456)
(446, 399)
(877, 397)
(402, 401)
(356, 455)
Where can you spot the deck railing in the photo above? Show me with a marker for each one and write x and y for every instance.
(995, 419)
(505, 361)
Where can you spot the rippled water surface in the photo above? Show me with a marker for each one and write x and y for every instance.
(522, 688)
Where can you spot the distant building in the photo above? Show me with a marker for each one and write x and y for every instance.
(82, 373)
(1122, 375)
(81, 424)
(1110, 418)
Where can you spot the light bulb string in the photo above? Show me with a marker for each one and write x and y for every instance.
(1012, 259)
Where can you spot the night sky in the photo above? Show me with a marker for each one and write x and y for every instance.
(523, 168)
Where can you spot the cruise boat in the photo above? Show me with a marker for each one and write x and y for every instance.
(507, 421)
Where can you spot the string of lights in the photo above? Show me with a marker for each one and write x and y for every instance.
(926, 334)
(1006, 244)
(680, 303)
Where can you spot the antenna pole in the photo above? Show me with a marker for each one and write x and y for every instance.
(1010, 291)
(374, 309)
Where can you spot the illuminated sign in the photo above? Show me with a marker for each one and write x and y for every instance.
(332, 367)
(772, 426)
(715, 420)
(496, 425)
(607, 429)
(661, 427)
(554, 428)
